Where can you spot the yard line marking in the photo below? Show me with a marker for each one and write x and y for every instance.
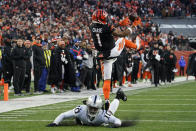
(25, 111)
(164, 99)
(49, 108)
(7, 117)
(153, 111)
(160, 104)
(36, 111)
(12, 115)
(165, 121)
(160, 95)
(16, 113)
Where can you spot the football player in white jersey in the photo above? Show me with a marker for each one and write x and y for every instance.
(92, 113)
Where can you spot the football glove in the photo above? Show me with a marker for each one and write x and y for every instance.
(79, 57)
(157, 57)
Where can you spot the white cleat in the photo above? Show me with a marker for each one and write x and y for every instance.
(53, 90)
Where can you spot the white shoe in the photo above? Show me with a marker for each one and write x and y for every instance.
(53, 90)
(11, 87)
(116, 85)
(124, 85)
(38, 93)
(61, 91)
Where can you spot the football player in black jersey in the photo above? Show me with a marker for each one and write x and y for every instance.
(103, 38)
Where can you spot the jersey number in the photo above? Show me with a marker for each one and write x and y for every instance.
(120, 47)
(98, 39)
(77, 109)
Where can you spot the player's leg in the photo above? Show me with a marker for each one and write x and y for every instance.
(115, 103)
(107, 81)
(115, 52)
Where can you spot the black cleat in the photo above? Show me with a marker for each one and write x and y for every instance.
(107, 105)
(121, 95)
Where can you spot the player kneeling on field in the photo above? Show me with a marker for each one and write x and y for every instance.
(92, 113)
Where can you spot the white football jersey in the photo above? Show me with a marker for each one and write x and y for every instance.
(103, 117)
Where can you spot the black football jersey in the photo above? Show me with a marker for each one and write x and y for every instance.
(102, 36)
(153, 52)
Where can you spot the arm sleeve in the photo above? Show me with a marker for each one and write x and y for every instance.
(114, 122)
(130, 44)
(143, 61)
(65, 115)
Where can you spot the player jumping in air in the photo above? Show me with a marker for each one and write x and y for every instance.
(103, 38)
(92, 114)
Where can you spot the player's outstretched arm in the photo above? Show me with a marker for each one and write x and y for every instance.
(119, 33)
(61, 117)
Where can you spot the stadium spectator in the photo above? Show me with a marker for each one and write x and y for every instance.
(7, 60)
(43, 79)
(79, 55)
(27, 81)
(86, 76)
(1, 66)
(19, 56)
(182, 64)
(38, 63)
(62, 69)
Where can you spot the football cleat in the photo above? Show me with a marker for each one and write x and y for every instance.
(107, 104)
(121, 95)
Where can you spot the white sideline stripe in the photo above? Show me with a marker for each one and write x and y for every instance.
(153, 111)
(160, 104)
(165, 121)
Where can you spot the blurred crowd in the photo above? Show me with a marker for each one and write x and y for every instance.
(53, 39)
(51, 19)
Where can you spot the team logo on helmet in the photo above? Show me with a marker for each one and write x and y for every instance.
(100, 16)
(94, 104)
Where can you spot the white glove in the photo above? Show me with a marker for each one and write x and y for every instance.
(175, 70)
(64, 60)
(157, 57)
(79, 57)
(85, 56)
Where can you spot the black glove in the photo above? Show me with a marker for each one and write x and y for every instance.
(52, 125)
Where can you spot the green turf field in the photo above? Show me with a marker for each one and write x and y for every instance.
(156, 109)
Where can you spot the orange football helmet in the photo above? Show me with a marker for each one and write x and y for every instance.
(125, 22)
(100, 16)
